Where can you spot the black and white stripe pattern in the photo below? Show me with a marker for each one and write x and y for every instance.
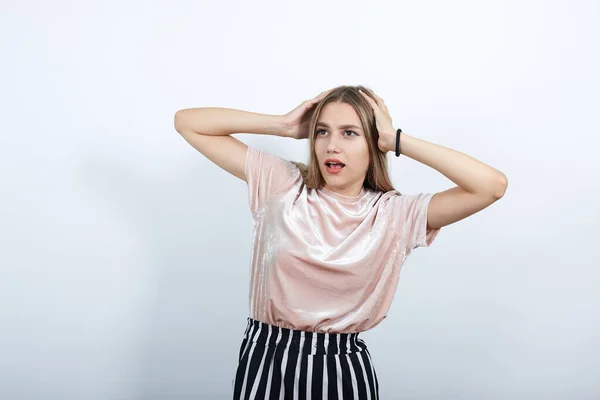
(285, 364)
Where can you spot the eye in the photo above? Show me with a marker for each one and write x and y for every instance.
(323, 130)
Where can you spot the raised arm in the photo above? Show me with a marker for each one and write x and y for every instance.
(478, 184)
(208, 130)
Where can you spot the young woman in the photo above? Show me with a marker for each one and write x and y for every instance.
(329, 237)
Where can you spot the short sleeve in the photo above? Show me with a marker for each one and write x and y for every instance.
(412, 213)
(267, 175)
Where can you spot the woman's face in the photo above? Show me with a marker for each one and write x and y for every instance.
(339, 135)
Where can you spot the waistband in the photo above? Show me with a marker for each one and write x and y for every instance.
(304, 342)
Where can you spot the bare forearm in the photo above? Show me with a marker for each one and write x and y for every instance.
(218, 121)
(465, 171)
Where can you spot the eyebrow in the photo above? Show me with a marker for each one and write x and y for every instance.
(341, 126)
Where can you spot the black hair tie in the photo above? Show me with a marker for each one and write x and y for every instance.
(398, 142)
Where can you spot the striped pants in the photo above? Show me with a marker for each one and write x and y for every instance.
(286, 364)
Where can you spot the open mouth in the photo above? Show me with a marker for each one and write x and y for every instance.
(334, 167)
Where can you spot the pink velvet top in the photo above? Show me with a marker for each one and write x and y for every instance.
(321, 261)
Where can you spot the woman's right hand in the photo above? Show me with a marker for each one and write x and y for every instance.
(295, 123)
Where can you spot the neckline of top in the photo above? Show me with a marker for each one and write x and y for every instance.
(342, 197)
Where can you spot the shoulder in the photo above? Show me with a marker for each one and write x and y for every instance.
(267, 161)
(403, 203)
(395, 195)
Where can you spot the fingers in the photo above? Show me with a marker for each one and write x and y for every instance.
(372, 102)
(321, 95)
(314, 100)
(379, 101)
(324, 93)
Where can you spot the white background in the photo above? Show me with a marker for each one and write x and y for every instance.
(125, 253)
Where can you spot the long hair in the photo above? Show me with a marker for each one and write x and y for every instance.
(377, 177)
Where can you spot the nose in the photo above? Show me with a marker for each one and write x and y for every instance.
(332, 145)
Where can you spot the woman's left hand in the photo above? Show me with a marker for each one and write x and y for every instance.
(387, 133)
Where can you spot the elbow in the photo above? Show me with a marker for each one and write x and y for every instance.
(500, 187)
(178, 121)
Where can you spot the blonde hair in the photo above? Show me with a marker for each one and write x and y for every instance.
(377, 177)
